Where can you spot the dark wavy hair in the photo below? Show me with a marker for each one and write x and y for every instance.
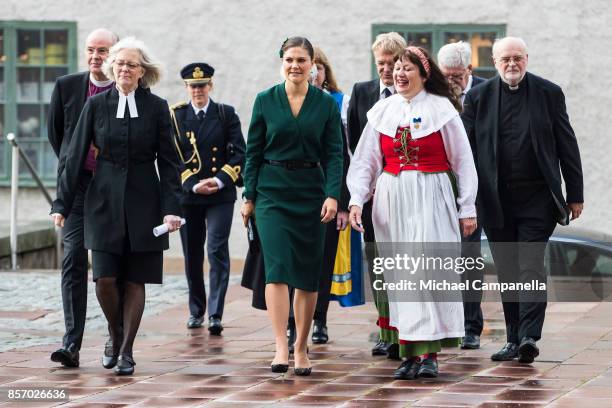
(436, 82)
(301, 42)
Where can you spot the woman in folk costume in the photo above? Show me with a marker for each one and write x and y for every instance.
(412, 149)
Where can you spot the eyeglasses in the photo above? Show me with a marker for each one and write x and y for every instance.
(197, 85)
(517, 59)
(455, 77)
(128, 65)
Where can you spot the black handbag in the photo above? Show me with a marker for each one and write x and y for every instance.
(254, 274)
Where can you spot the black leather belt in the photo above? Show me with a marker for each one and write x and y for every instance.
(293, 164)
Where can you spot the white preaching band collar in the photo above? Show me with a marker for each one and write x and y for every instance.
(197, 110)
(131, 103)
(99, 84)
(425, 113)
(467, 88)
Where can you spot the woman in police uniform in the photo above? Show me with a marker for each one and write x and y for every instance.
(210, 143)
(292, 183)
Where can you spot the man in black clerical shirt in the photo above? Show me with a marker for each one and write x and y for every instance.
(523, 142)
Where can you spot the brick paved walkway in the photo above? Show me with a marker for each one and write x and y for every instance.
(177, 367)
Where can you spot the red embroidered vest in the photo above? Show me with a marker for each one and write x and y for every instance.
(424, 154)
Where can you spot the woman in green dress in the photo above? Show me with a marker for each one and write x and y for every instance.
(292, 183)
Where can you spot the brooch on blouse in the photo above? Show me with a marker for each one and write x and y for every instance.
(416, 123)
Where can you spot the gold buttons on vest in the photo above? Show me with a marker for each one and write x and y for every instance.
(214, 149)
(214, 159)
(214, 169)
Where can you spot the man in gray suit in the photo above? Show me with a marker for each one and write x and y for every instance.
(455, 62)
(386, 49)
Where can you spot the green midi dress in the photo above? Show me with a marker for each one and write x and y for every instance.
(288, 202)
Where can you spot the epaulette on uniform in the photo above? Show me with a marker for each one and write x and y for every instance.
(178, 105)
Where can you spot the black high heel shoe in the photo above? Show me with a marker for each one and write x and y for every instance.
(302, 372)
(125, 365)
(279, 368)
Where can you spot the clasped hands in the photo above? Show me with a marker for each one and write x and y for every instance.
(206, 186)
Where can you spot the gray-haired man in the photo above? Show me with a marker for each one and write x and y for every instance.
(455, 62)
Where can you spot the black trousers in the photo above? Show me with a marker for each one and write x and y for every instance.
(329, 259)
(472, 312)
(216, 222)
(74, 268)
(518, 251)
(370, 251)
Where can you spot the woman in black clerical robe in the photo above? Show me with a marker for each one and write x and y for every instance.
(135, 187)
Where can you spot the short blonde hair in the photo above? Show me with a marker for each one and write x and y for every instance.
(152, 68)
(390, 43)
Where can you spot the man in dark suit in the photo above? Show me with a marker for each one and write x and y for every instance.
(455, 62)
(523, 143)
(210, 143)
(67, 101)
(386, 49)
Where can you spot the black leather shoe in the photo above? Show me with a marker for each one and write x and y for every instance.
(67, 356)
(393, 351)
(528, 350)
(109, 358)
(214, 326)
(302, 372)
(125, 365)
(195, 322)
(319, 333)
(428, 368)
(470, 342)
(507, 353)
(291, 335)
(408, 370)
(279, 368)
(380, 349)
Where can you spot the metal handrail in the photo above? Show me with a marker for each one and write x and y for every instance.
(17, 152)
(11, 138)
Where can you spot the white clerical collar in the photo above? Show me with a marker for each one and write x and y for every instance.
(382, 88)
(197, 110)
(469, 85)
(131, 103)
(99, 84)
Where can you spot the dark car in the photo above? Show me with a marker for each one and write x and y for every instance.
(578, 262)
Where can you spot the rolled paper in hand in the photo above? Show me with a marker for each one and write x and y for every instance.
(163, 228)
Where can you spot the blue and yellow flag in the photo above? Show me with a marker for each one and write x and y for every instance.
(347, 279)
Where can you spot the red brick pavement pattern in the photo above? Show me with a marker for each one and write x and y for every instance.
(177, 367)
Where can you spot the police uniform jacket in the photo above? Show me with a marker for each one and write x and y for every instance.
(213, 147)
(126, 198)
